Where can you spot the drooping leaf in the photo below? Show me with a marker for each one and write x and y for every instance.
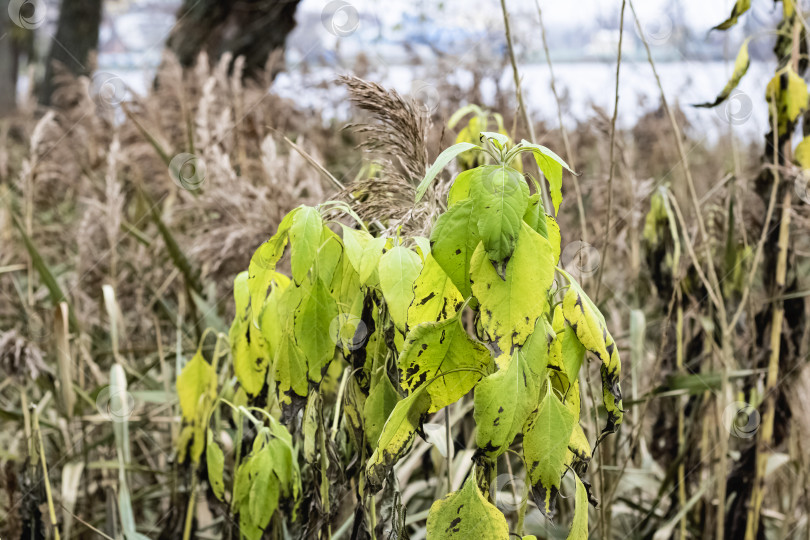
(313, 320)
(436, 350)
(264, 489)
(787, 91)
(505, 399)
(355, 243)
(371, 259)
(501, 197)
(441, 162)
(591, 330)
(545, 443)
(196, 390)
(310, 425)
(554, 237)
(399, 267)
(396, 436)
(250, 350)
(262, 268)
(305, 239)
(741, 64)
(453, 241)
(435, 296)
(567, 351)
(215, 462)
(509, 307)
(580, 448)
(380, 403)
(551, 165)
(579, 525)
(740, 7)
(291, 376)
(466, 514)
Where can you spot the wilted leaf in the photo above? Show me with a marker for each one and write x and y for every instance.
(435, 296)
(466, 514)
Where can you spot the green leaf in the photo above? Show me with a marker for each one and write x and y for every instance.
(505, 399)
(305, 239)
(434, 349)
(440, 163)
(740, 7)
(551, 165)
(567, 351)
(196, 381)
(371, 258)
(250, 351)
(262, 268)
(466, 514)
(740, 68)
(396, 436)
(589, 324)
(554, 237)
(509, 307)
(313, 334)
(453, 241)
(291, 375)
(264, 489)
(535, 215)
(802, 153)
(355, 243)
(545, 443)
(381, 401)
(399, 267)
(501, 197)
(435, 296)
(460, 189)
(501, 139)
(579, 525)
(215, 462)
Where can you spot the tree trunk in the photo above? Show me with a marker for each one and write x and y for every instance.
(249, 28)
(76, 36)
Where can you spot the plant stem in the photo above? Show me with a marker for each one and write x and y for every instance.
(603, 258)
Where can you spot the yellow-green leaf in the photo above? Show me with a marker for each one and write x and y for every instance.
(305, 239)
(453, 241)
(740, 68)
(551, 165)
(195, 383)
(466, 514)
(291, 376)
(399, 267)
(437, 349)
(740, 7)
(787, 92)
(262, 268)
(545, 443)
(579, 525)
(215, 462)
(509, 307)
(380, 403)
(435, 296)
(313, 321)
